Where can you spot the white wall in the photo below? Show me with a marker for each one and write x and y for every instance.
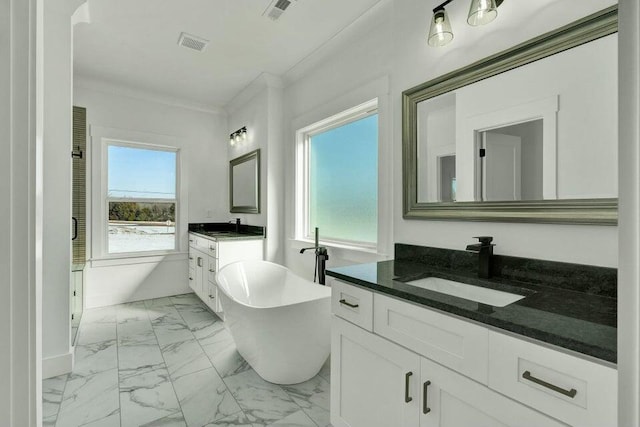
(415, 62)
(57, 74)
(20, 227)
(259, 108)
(629, 268)
(351, 69)
(393, 42)
(202, 138)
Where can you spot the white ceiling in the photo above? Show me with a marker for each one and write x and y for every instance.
(134, 43)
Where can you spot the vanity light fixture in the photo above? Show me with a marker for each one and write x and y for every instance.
(480, 12)
(440, 32)
(238, 136)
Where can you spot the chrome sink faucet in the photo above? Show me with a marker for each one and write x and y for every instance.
(484, 249)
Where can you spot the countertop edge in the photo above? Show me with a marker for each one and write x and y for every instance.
(595, 354)
(230, 237)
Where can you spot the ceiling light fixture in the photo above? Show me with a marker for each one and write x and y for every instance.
(238, 136)
(481, 12)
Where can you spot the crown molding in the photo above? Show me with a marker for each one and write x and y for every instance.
(101, 85)
(379, 15)
(259, 84)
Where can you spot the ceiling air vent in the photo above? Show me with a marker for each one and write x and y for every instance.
(192, 42)
(276, 8)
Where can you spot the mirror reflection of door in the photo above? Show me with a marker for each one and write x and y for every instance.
(501, 162)
(447, 178)
(511, 162)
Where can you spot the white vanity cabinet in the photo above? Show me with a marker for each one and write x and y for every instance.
(208, 255)
(421, 368)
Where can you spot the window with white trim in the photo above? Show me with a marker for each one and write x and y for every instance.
(141, 198)
(338, 178)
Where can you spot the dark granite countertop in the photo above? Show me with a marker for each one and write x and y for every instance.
(227, 231)
(564, 313)
(227, 235)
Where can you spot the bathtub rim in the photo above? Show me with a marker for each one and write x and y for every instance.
(271, 307)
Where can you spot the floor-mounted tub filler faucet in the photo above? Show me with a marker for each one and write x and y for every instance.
(321, 260)
(484, 249)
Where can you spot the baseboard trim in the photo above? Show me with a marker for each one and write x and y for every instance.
(98, 301)
(57, 365)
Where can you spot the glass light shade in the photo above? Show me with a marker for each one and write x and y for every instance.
(482, 12)
(440, 32)
(243, 134)
(232, 141)
(237, 137)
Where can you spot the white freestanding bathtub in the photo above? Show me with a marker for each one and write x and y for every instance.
(279, 321)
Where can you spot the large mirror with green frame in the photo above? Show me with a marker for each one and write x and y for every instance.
(526, 135)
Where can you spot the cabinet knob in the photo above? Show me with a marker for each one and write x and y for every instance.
(190, 278)
(212, 297)
(211, 271)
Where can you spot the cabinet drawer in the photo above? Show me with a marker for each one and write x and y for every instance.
(192, 278)
(192, 259)
(573, 390)
(353, 304)
(211, 274)
(211, 248)
(202, 244)
(451, 399)
(212, 295)
(456, 344)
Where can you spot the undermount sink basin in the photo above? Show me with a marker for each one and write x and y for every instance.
(470, 292)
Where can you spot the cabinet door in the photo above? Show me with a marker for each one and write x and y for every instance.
(200, 279)
(374, 383)
(192, 267)
(449, 399)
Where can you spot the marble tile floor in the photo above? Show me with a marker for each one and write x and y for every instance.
(170, 362)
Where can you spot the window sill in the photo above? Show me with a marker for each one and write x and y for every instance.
(132, 258)
(358, 254)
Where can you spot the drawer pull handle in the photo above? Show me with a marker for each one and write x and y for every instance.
(211, 271)
(200, 262)
(191, 240)
(571, 393)
(425, 399)
(190, 258)
(190, 278)
(212, 297)
(348, 304)
(213, 248)
(407, 398)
